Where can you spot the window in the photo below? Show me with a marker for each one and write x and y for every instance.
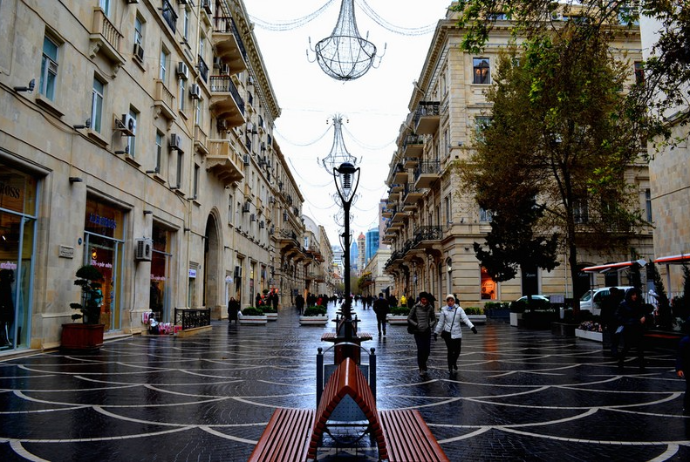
(165, 64)
(97, 105)
(105, 6)
(230, 210)
(180, 168)
(185, 23)
(198, 115)
(648, 204)
(131, 144)
(139, 30)
(580, 211)
(485, 216)
(481, 123)
(482, 71)
(159, 152)
(49, 68)
(449, 212)
(195, 184)
(182, 94)
(639, 73)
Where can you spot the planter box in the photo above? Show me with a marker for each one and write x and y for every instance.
(81, 337)
(271, 316)
(503, 314)
(515, 319)
(589, 335)
(313, 320)
(477, 318)
(253, 320)
(396, 319)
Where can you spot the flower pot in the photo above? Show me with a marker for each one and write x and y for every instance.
(271, 316)
(313, 320)
(81, 337)
(253, 320)
(589, 335)
(396, 319)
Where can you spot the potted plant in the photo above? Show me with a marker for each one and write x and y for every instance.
(253, 316)
(314, 316)
(87, 335)
(475, 314)
(270, 312)
(397, 315)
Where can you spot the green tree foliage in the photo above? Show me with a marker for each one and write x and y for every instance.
(560, 133)
(667, 71)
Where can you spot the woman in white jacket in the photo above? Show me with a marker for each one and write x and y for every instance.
(449, 326)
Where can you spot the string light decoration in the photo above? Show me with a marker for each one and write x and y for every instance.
(345, 55)
(339, 154)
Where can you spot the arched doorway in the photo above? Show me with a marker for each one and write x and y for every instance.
(212, 264)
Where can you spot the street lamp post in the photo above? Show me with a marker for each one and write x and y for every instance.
(346, 181)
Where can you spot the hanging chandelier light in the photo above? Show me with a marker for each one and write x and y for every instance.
(339, 153)
(345, 55)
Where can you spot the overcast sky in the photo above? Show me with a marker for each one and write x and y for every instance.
(375, 104)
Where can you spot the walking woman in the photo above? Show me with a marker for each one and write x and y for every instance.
(449, 326)
(423, 319)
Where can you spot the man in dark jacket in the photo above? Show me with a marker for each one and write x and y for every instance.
(423, 317)
(632, 318)
(381, 309)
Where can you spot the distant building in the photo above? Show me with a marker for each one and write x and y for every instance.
(354, 256)
(361, 252)
(372, 243)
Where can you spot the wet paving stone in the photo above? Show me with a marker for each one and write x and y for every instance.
(519, 395)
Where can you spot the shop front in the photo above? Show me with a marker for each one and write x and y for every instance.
(104, 242)
(18, 206)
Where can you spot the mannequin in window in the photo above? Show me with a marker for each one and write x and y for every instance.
(6, 306)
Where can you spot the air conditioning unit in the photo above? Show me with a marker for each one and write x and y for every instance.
(246, 159)
(238, 271)
(139, 52)
(182, 70)
(143, 249)
(195, 91)
(175, 142)
(207, 6)
(245, 207)
(127, 125)
(252, 217)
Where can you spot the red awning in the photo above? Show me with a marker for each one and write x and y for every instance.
(608, 266)
(673, 259)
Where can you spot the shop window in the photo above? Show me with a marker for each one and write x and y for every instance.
(489, 287)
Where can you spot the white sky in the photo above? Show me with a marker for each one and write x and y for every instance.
(375, 104)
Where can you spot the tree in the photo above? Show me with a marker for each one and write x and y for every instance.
(561, 133)
(511, 243)
(666, 72)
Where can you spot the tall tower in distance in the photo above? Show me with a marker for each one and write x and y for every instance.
(361, 260)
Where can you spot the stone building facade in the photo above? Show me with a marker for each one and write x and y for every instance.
(431, 226)
(137, 136)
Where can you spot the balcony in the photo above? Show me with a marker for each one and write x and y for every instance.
(228, 44)
(224, 162)
(427, 117)
(105, 38)
(387, 213)
(200, 140)
(164, 101)
(399, 217)
(399, 174)
(411, 162)
(412, 194)
(169, 15)
(413, 146)
(426, 174)
(426, 237)
(226, 102)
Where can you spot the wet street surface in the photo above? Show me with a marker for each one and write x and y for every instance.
(518, 395)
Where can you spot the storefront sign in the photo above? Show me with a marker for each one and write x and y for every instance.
(66, 251)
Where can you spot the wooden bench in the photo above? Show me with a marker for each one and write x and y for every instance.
(286, 437)
(408, 437)
(347, 380)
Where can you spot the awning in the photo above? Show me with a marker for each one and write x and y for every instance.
(611, 266)
(673, 259)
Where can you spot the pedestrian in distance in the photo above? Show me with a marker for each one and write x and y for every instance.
(422, 318)
(632, 319)
(449, 326)
(403, 300)
(381, 309)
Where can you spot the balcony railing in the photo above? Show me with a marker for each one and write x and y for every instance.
(107, 29)
(164, 99)
(224, 84)
(169, 15)
(427, 168)
(227, 25)
(428, 233)
(426, 117)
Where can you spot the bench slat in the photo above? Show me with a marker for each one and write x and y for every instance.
(285, 437)
(409, 438)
